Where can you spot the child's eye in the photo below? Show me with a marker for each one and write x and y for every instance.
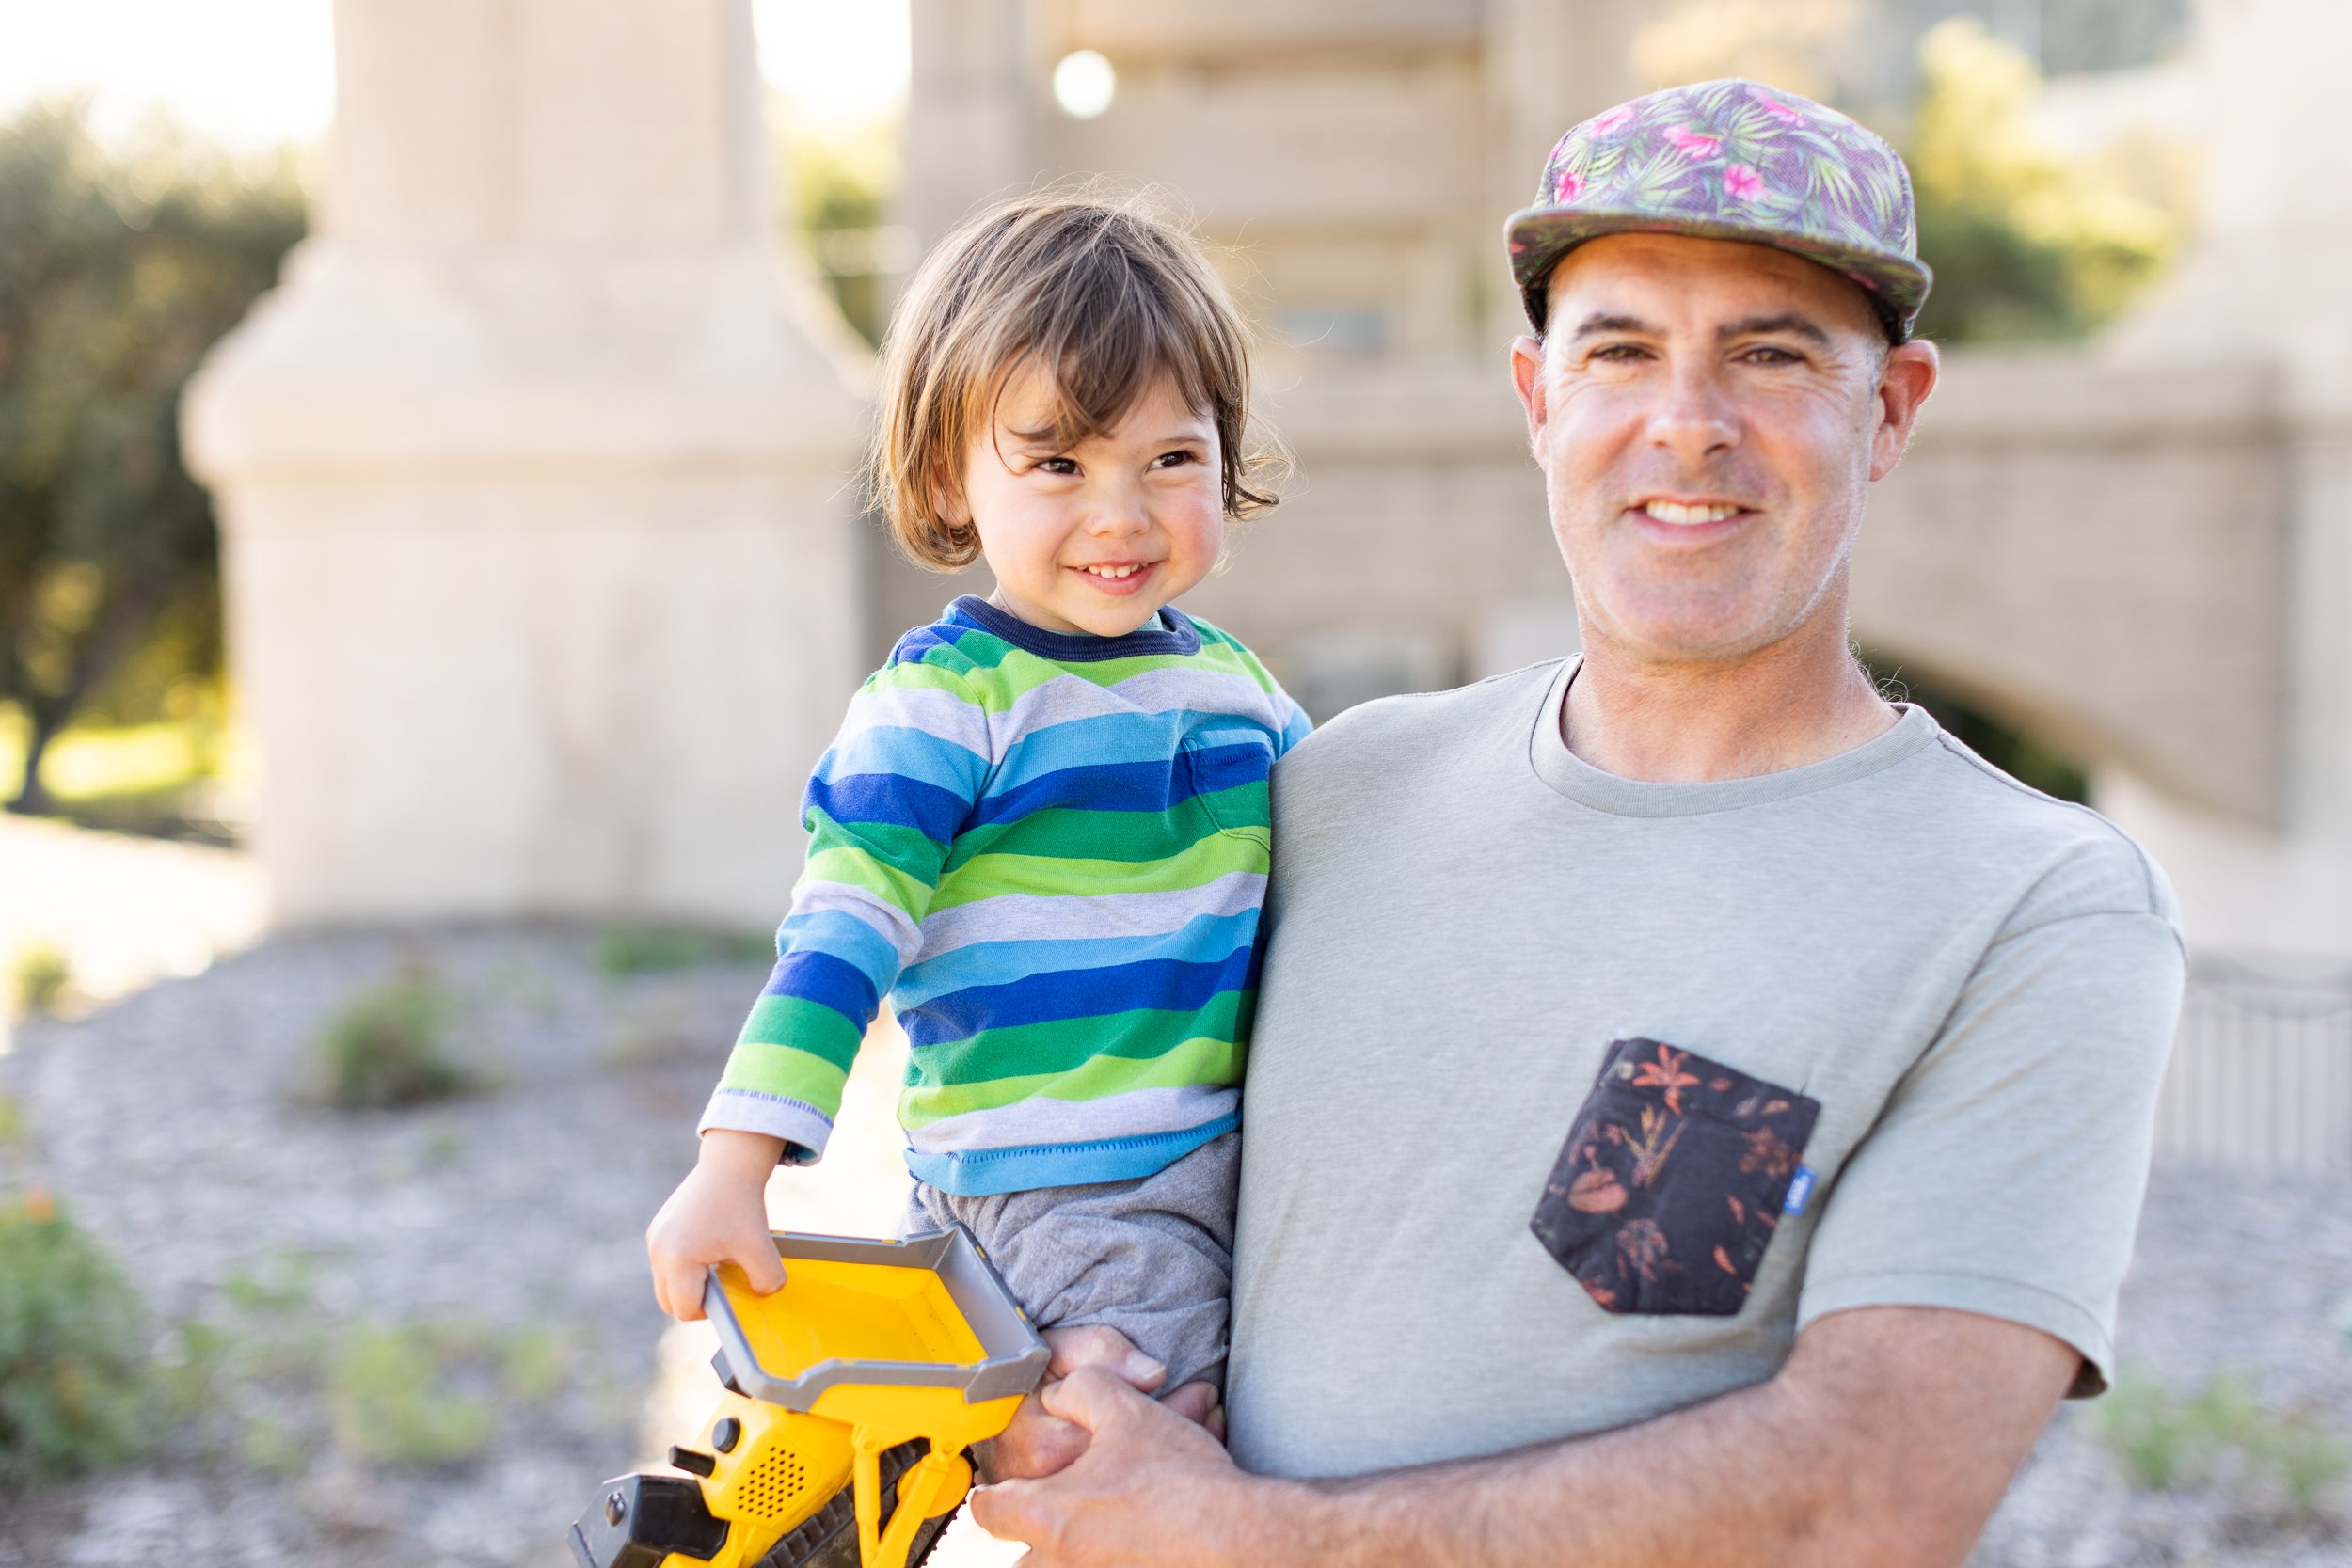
(1174, 459)
(1058, 464)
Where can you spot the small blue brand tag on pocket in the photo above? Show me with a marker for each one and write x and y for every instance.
(1800, 1189)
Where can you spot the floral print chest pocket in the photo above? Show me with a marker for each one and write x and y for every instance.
(1672, 1182)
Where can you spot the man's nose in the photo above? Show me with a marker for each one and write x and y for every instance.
(1694, 418)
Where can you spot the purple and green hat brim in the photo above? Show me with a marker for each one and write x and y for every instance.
(1539, 236)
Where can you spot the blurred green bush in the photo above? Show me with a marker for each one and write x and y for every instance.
(119, 268)
(388, 1046)
(74, 1378)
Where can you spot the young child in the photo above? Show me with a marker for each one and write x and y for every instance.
(1043, 830)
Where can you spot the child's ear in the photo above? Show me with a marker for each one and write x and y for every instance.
(947, 509)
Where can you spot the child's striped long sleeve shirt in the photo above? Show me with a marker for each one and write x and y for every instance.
(1049, 851)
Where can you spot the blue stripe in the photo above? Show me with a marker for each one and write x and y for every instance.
(1298, 728)
(903, 750)
(979, 1172)
(830, 982)
(1217, 768)
(847, 938)
(934, 813)
(997, 963)
(917, 645)
(1161, 985)
(1092, 743)
(1153, 785)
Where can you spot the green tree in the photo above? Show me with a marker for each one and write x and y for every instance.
(2027, 240)
(117, 270)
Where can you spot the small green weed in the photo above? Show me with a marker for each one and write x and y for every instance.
(397, 1395)
(427, 1392)
(2224, 1433)
(651, 949)
(389, 1047)
(280, 1283)
(74, 1363)
(2308, 1462)
(38, 978)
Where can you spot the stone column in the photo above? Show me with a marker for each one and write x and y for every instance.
(539, 546)
(2265, 284)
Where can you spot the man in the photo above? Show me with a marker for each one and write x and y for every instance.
(1698, 1111)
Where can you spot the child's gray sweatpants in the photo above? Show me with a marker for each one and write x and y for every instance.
(1152, 1258)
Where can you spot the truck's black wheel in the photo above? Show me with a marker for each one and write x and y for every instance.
(828, 1538)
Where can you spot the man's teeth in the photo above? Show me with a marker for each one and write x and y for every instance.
(1112, 572)
(1668, 512)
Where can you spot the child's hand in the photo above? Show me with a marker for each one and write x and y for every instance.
(719, 1215)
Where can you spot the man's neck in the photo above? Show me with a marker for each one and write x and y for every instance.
(1802, 699)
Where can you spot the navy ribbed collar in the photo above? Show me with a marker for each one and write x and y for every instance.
(1171, 631)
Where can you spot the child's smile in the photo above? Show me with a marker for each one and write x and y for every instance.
(1095, 536)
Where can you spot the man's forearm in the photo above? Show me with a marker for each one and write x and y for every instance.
(1829, 1462)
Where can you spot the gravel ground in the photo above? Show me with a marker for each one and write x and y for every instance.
(504, 1229)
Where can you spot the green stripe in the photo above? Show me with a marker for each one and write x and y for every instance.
(1194, 1061)
(853, 867)
(1063, 1044)
(803, 1025)
(780, 1071)
(1068, 833)
(990, 876)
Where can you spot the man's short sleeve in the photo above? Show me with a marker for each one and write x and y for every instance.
(2006, 1174)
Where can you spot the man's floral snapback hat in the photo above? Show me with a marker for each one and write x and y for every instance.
(1730, 160)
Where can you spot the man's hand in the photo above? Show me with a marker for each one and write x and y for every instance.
(1039, 1443)
(1148, 1485)
(1886, 1440)
(719, 1215)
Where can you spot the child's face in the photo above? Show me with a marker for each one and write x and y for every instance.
(1096, 537)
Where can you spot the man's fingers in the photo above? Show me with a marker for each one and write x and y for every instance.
(1091, 1397)
(1006, 1510)
(1194, 1402)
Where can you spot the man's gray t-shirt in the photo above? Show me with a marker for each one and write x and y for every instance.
(1977, 983)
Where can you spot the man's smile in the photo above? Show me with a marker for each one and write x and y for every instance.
(1689, 522)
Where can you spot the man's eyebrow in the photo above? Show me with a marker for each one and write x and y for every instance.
(1601, 321)
(1787, 321)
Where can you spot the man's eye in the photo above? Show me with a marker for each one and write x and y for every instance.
(1621, 352)
(1770, 354)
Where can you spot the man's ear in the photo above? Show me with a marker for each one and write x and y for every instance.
(1527, 377)
(1904, 385)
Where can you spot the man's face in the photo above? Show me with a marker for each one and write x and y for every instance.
(1708, 414)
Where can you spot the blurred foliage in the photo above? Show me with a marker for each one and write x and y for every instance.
(2104, 35)
(73, 1365)
(2223, 1435)
(119, 268)
(1808, 46)
(38, 978)
(838, 179)
(2027, 240)
(653, 949)
(2028, 760)
(399, 1394)
(388, 1046)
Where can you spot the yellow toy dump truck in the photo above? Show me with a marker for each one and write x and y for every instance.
(851, 1396)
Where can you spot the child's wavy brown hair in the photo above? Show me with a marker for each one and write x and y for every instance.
(1104, 294)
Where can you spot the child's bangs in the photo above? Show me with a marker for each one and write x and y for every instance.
(1103, 343)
